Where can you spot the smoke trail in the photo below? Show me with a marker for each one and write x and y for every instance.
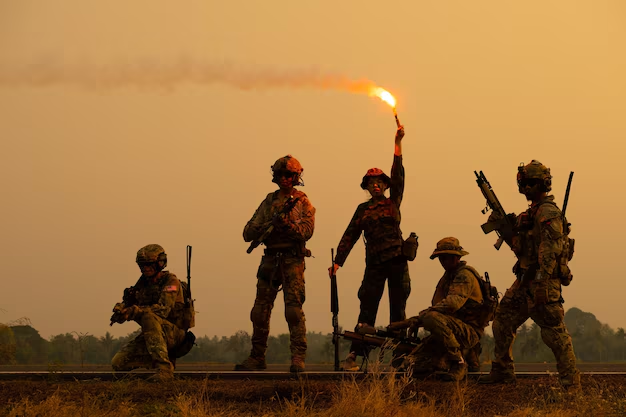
(149, 74)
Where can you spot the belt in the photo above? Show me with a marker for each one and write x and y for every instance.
(283, 251)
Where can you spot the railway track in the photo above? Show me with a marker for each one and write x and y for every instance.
(86, 376)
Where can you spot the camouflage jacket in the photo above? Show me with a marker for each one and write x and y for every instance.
(538, 246)
(458, 294)
(163, 297)
(297, 230)
(379, 221)
(539, 239)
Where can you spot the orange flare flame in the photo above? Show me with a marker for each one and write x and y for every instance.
(384, 95)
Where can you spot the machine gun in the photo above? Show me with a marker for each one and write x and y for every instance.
(334, 308)
(504, 225)
(289, 205)
(385, 339)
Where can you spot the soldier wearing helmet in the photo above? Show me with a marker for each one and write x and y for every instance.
(379, 220)
(541, 245)
(155, 302)
(455, 320)
(290, 217)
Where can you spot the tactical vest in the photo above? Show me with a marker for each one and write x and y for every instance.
(529, 238)
(181, 315)
(481, 314)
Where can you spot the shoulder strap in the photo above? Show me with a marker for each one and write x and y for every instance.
(472, 270)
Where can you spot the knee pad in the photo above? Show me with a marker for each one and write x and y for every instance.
(429, 320)
(294, 315)
(118, 363)
(260, 315)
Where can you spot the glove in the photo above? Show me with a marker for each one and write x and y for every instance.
(131, 312)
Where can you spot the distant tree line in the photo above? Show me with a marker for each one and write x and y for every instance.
(20, 343)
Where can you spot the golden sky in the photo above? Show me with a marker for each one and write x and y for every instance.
(126, 123)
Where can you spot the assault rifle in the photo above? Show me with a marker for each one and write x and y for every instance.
(504, 226)
(128, 300)
(188, 299)
(566, 199)
(385, 339)
(334, 308)
(289, 205)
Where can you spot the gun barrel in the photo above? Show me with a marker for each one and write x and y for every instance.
(567, 190)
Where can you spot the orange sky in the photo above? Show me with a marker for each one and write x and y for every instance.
(94, 166)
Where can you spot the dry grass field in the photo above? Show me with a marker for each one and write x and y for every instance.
(375, 396)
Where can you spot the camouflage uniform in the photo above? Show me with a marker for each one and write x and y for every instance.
(282, 264)
(454, 319)
(536, 293)
(379, 221)
(160, 305)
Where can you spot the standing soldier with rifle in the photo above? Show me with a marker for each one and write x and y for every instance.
(162, 306)
(540, 240)
(283, 223)
(386, 253)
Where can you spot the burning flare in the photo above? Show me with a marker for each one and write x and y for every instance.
(384, 95)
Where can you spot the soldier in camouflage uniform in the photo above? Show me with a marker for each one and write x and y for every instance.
(379, 220)
(282, 263)
(542, 247)
(455, 319)
(156, 304)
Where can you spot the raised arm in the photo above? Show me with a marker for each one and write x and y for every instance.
(397, 170)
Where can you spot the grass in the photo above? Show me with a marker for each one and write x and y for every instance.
(377, 395)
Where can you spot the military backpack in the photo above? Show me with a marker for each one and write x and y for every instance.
(189, 313)
(490, 297)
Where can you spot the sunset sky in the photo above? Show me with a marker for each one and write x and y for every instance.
(130, 123)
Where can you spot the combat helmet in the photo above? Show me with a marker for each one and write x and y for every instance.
(290, 164)
(535, 170)
(375, 172)
(152, 253)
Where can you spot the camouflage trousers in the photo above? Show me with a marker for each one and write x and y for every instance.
(275, 271)
(396, 273)
(514, 309)
(447, 334)
(150, 349)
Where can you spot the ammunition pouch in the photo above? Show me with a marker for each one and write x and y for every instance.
(565, 275)
(185, 346)
(409, 247)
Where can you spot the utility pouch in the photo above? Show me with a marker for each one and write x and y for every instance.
(409, 247)
(185, 346)
(570, 248)
(565, 275)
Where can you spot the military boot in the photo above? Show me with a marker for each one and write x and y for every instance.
(498, 375)
(163, 374)
(297, 364)
(457, 372)
(572, 383)
(350, 364)
(251, 364)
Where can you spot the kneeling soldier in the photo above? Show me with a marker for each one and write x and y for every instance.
(157, 304)
(456, 319)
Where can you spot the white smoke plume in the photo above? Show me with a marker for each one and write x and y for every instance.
(151, 74)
